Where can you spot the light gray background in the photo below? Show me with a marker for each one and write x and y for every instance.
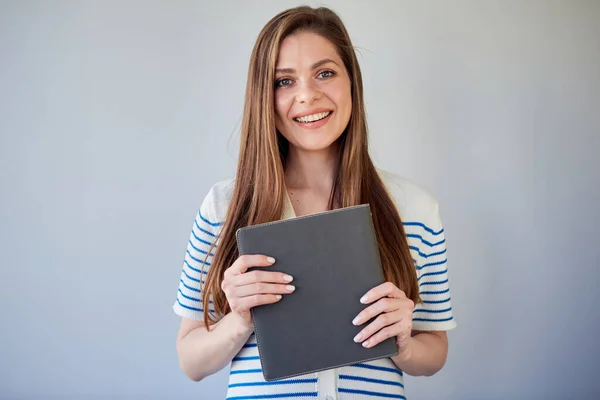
(117, 116)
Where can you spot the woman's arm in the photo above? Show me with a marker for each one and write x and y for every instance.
(424, 355)
(202, 353)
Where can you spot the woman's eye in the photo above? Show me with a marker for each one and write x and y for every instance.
(326, 74)
(283, 82)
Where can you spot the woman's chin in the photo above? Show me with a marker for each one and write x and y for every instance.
(315, 145)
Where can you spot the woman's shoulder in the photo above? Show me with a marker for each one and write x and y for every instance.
(413, 201)
(217, 199)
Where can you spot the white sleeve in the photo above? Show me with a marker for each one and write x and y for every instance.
(427, 242)
(196, 263)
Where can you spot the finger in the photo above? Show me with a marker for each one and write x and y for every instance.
(385, 289)
(261, 276)
(386, 333)
(244, 262)
(380, 322)
(259, 300)
(262, 288)
(383, 305)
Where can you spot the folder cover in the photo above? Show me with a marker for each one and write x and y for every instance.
(334, 259)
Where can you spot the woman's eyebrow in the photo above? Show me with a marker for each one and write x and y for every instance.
(314, 66)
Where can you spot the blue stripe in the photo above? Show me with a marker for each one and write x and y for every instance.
(376, 368)
(205, 272)
(433, 283)
(275, 396)
(432, 320)
(194, 258)
(436, 301)
(208, 222)
(412, 235)
(428, 229)
(190, 278)
(433, 264)
(202, 240)
(424, 255)
(245, 371)
(436, 292)
(433, 273)
(204, 230)
(188, 307)
(281, 382)
(247, 346)
(189, 287)
(246, 358)
(432, 311)
(192, 298)
(363, 379)
(200, 251)
(367, 393)
(189, 298)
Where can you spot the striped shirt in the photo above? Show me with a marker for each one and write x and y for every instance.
(369, 380)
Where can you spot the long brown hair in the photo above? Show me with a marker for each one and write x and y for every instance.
(260, 189)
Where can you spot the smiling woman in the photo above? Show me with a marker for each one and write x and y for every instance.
(313, 99)
(304, 150)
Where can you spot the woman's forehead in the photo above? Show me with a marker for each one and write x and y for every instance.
(302, 50)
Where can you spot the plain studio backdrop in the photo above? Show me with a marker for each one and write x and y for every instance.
(116, 117)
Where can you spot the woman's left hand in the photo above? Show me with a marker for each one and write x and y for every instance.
(394, 312)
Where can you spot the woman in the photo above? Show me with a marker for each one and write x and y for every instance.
(304, 150)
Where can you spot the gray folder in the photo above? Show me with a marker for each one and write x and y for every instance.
(334, 259)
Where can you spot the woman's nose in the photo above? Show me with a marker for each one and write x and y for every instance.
(308, 92)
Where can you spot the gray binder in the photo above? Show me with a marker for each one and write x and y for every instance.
(334, 259)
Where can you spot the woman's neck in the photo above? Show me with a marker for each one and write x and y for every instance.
(312, 171)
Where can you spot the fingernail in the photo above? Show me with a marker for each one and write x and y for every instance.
(366, 344)
(358, 337)
(287, 278)
(363, 299)
(271, 260)
(278, 296)
(290, 288)
(356, 321)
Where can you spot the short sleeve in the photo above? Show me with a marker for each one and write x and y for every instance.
(427, 242)
(196, 263)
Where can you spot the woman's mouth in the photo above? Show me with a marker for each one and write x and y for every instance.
(314, 121)
(313, 117)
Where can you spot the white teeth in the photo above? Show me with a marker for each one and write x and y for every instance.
(314, 117)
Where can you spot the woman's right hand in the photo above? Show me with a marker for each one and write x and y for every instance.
(245, 290)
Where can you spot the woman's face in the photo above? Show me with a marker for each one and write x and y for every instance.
(313, 100)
